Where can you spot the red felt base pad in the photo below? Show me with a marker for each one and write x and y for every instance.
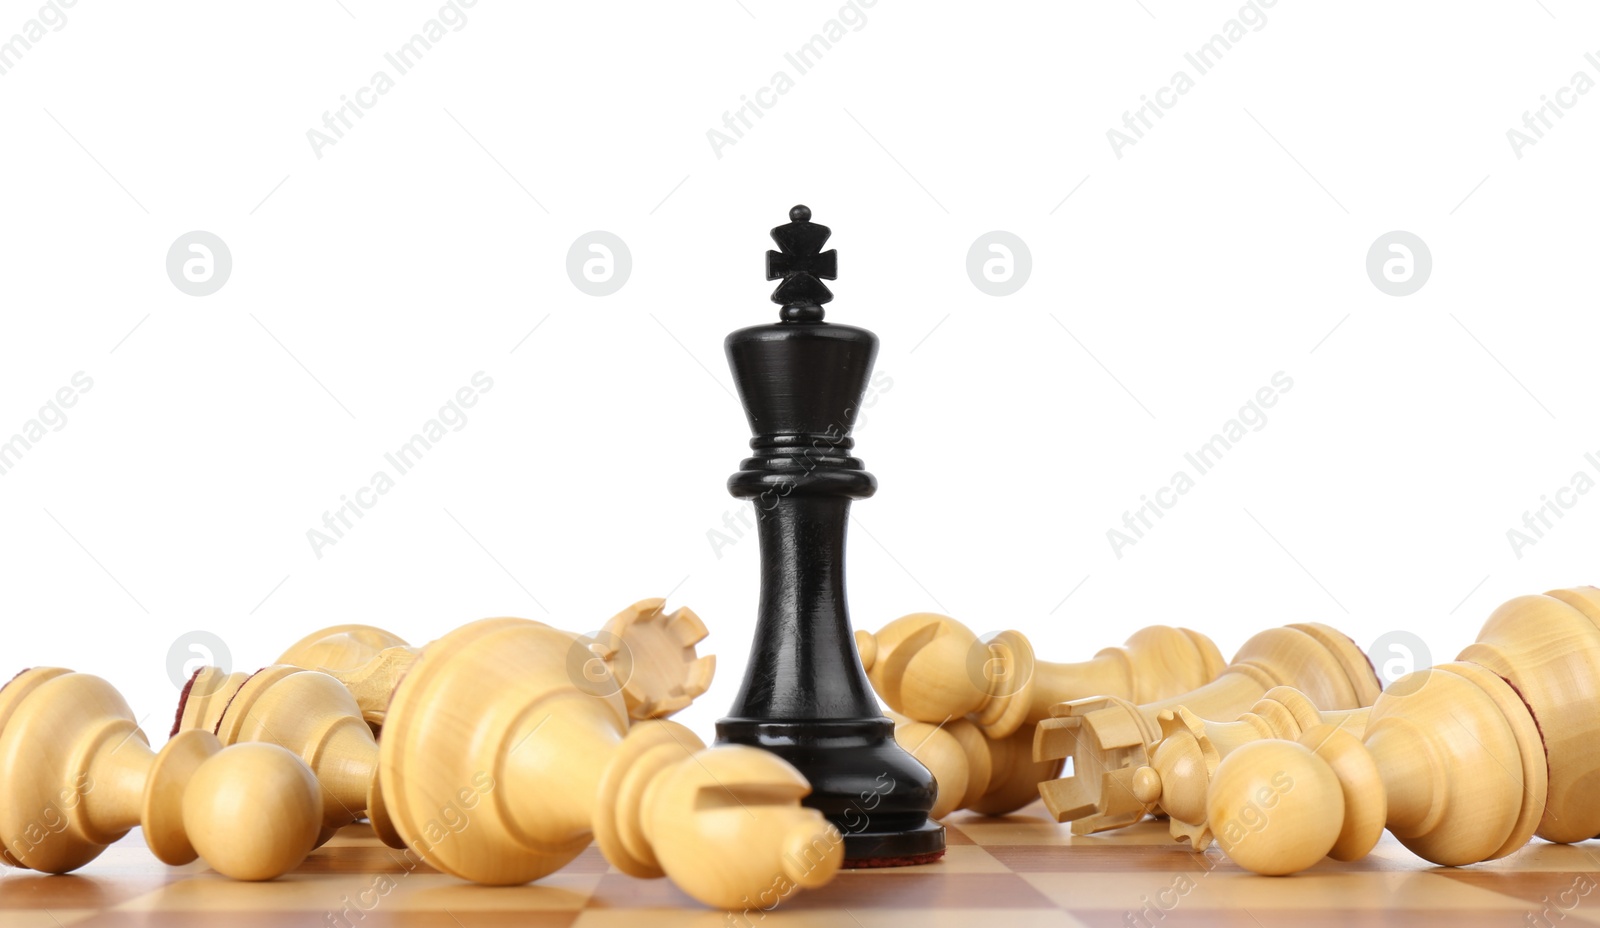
(875, 862)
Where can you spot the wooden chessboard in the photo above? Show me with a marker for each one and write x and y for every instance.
(1022, 871)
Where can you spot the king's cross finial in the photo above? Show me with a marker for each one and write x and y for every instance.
(802, 263)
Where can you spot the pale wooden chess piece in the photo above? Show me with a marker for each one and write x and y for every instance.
(1178, 777)
(340, 647)
(499, 766)
(312, 715)
(975, 701)
(650, 651)
(368, 660)
(318, 717)
(990, 776)
(931, 668)
(1109, 738)
(1463, 762)
(79, 774)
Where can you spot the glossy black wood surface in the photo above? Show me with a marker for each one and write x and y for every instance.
(805, 695)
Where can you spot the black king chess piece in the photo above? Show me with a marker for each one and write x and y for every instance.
(805, 695)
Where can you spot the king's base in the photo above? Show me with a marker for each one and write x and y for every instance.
(870, 788)
(922, 845)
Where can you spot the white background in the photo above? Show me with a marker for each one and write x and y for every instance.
(369, 284)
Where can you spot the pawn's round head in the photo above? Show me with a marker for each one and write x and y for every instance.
(1275, 807)
(253, 811)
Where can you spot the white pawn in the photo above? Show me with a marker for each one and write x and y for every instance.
(79, 774)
